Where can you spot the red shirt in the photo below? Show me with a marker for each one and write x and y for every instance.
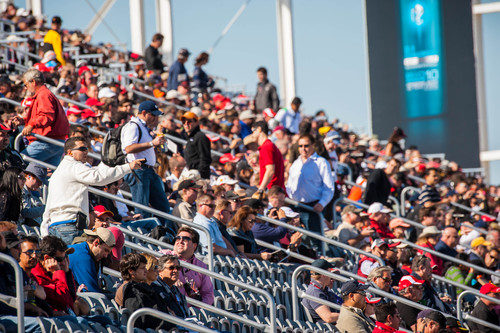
(55, 286)
(383, 328)
(270, 154)
(436, 262)
(47, 116)
(382, 230)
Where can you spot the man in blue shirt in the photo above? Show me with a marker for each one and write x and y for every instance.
(177, 72)
(84, 262)
(448, 242)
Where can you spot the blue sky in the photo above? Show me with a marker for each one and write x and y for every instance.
(329, 39)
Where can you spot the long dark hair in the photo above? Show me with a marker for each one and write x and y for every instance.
(9, 182)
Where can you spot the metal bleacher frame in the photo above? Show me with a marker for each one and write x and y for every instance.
(19, 290)
(462, 317)
(166, 317)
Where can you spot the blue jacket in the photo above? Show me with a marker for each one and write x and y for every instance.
(266, 232)
(84, 267)
(245, 130)
(177, 73)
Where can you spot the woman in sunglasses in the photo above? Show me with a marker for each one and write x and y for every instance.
(240, 229)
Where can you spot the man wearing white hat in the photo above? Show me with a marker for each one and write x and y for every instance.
(379, 219)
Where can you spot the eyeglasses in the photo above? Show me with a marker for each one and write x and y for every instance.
(31, 252)
(386, 279)
(303, 146)
(60, 259)
(173, 267)
(209, 205)
(184, 238)
(82, 148)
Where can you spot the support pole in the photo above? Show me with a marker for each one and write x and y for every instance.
(137, 26)
(36, 7)
(99, 16)
(165, 27)
(285, 51)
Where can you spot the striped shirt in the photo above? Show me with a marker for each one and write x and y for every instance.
(428, 194)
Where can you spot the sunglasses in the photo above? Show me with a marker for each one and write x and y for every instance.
(173, 267)
(31, 252)
(386, 279)
(303, 146)
(184, 238)
(82, 148)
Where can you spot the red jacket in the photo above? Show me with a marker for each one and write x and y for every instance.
(55, 286)
(47, 116)
(436, 262)
(382, 230)
(383, 328)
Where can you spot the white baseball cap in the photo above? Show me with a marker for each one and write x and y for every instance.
(289, 212)
(377, 207)
(225, 179)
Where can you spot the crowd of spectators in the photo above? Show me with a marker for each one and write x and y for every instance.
(276, 150)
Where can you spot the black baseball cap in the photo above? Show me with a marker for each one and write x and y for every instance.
(352, 286)
(57, 20)
(322, 264)
(150, 107)
(188, 183)
(437, 316)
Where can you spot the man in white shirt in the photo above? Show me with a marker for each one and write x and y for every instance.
(68, 194)
(311, 182)
(203, 217)
(290, 117)
(138, 143)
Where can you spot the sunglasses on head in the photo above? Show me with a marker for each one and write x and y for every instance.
(82, 148)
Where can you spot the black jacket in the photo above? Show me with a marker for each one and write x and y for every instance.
(378, 187)
(266, 97)
(153, 59)
(197, 153)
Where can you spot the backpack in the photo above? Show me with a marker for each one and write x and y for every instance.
(111, 153)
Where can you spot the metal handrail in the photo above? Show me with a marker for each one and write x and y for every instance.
(32, 55)
(474, 319)
(143, 207)
(449, 258)
(19, 290)
(200, 304)
(143, 237)
(403, 198)
(321, 238)
(165, 317)
(288, 252)
(217, 276)
(340, 278)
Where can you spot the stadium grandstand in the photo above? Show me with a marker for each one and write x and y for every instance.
(138, 196)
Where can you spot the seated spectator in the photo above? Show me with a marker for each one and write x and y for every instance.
(460, 273)
(388, 318)
(132, 268)
(186, 209)
(347, 232)
(222, 215)
(271, 233)
(413, 290)
(168, 276)
(448, 242)
(399, 228)
(8, 156)
(380, 278)
(203, 217)
(429, 196)
(32, 205)
(320, 287)
(428, 239)
(191, 283)
(85, 260)
(240, 229)
(485, 309)
(105, 218)
(379, 219)
(467, 235)
(277, 196)
(479, 248)
(367, 264)
(427, 216)
(11, 187)
(151, 268)
(422, 270)
(405, 255)
(351, 317)
(430, 321)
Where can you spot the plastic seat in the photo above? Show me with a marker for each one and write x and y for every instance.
(73, 327)
(58, 326)
(113, 329)
(225, 325)
(213, 323)
(97, 327)
(45, 324)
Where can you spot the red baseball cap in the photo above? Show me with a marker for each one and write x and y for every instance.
(100, 210)
(269, 112)
(489, 288)
(119, 241)
(407, 281)
(82, 70)
(74, 110)
(87, 113)
(93, 102)
(228, 158)
(213, 138)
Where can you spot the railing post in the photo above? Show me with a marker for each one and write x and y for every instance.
(19, 290)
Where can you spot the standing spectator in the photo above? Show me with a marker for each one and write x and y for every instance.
(53, 41)
(320, 287)
(152, 56)
(201, 81)
(271, 165)
(193, 284)
(266, 96)
(138, 143)
(32, 205)
(378, 186)
(429, 196)
(45, 117)
(448, 242)
(413, 290)
(85, 260)
(290, 118)
(379, 219)
(68, 190)
(203, 217)
(347, 232)
(186, 208)
(197, 152)
(177, 72)
(388, 318)
(485, 309)
(352, 317)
